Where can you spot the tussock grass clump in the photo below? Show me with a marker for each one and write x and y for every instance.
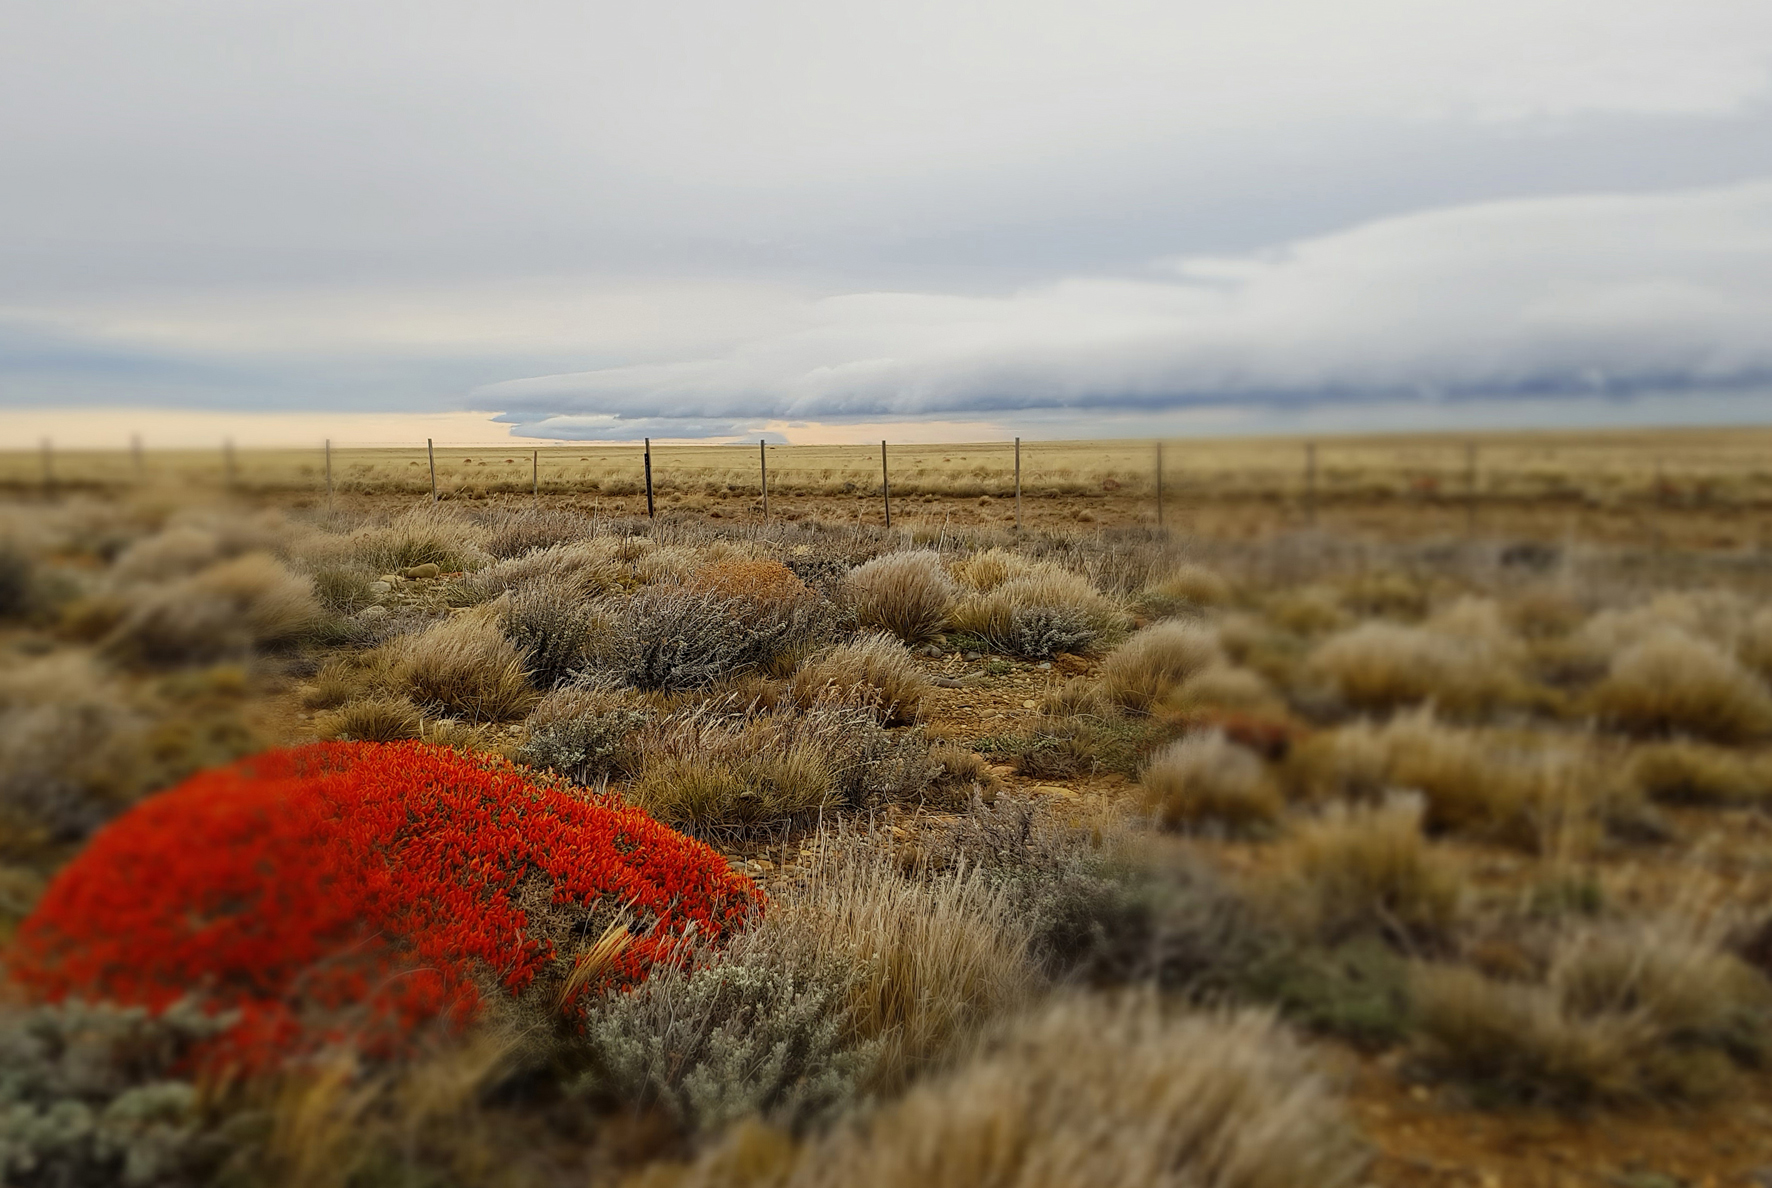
(1687, 772)
(1207, 780)
(464, 667)
(179, 551)
(1624, 1012)
(533, 529)
(1193, 585)
(873, 673)
(1369, 867)
(672, 637)
(342, 590)
(372, 719)
(990, 568)
(1675, 682)
(581, 570)
(1144, 669)
(251, 601)
(1754, 646)
(1040, 612)
(1205, 1100)
(432, 536)
(1383, 666)
(69, 750)
(908, 594)
(1223, 686)
(558, 632)
(18, 585)
(709, 774)
(963, 773)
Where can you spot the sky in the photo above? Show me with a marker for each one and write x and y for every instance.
(284, 219)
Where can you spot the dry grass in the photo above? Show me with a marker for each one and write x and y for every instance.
(873, 673)
(465, 667)
(1194, 585)
(230, 608)
(1204, 780)
(1226, 687)
(373, 719)
(908, 594)
(1151, 664)
(1380, 666)
(1089, 1092)
(711, 774)
(1624, 1012)
(1686, 772)
(432, 536)
(1370, 867)
(1039, 612)
(964, 774)
(1674, 682)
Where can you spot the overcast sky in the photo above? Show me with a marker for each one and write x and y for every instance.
(688, 218)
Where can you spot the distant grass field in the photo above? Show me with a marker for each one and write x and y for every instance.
(1620, 485)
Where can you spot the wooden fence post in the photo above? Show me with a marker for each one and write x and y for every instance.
(535, 477)
(329, 474)
(1018, 484)
(1310, 482)
(649, 478)
(763, 468)
(885, 485)
(1159, 484)
(135, 455)
(1470, 489)
(431, 453)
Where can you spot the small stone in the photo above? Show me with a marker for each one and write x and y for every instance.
(974, 656)
(392, 579)
(1051, 790)
(1029, 704)
(1045, 664)
(427, 570)
(379, 588)
(369, 613)
(929, 651)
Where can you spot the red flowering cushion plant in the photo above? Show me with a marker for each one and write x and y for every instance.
(369, 889)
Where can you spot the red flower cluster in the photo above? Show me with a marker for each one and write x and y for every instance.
(363, 884)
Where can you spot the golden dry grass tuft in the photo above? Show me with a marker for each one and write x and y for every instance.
(1671, 681)
(1456, 665)
(908, 594)
(1043, 610)
(709, 774)
(1195, 585)
(1368, 866)
(1207, 781)
(251, 601)
(464, 667)
(873, 673)
(1687, 772)
(1088, 1092)
(1155, 661)
(373, 719)
(1625, 1012)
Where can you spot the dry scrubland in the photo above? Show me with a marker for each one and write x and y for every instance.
(1097, 856)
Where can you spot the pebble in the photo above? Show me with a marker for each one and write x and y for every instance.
(392, 579)
(427, 570)
(975, 655)
(1050, 790)
(1046, 664)
(372, 612)
(1029, 704)
(380, 588)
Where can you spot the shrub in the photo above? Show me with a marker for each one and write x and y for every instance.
(380, 885)
(70, 750)
(177, 552)
(345, 591)
(713, 774)
(535, 529)
(964, 773)
(1041, 632)
(372, 719)
(1206, 780)
(727, 621)
(464, 666)
(96, 1095)
(1228, 688)
(991, 568)
(1686, 772)
(1382, 666)
(559, 633)
(1193, 585)
(17, 583)
(432, 536)
(582, 732)
(1624, 1013)
(1225, 1100)
(583, 570)
(1058, 747)
(873, 672)
(1371, 868)
(1144, 669)
(232, 607)
(1672, 681)
(907, 594)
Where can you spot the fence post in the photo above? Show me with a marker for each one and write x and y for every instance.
(1310, 482)
(329, 474)
(763, 469)
(431, 454)
(228, 461)
(1470, 488)
(535, 477)
(135, 454)
(885, 485)
(1159, 484)
(48, 469)
(1018, 484)
(648, 478)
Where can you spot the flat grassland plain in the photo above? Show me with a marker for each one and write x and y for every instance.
(1394, 812)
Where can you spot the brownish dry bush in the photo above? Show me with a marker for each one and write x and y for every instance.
(373, 719)
(1674, 682)
(1091, 1092)
(1205, 780)
(873, 673)
(1687, 772)
(1194, 585)
(1041, 612)
(251, 601)
(908, 594)
(1381, 666)
(1369, 867)
(1155, 661)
